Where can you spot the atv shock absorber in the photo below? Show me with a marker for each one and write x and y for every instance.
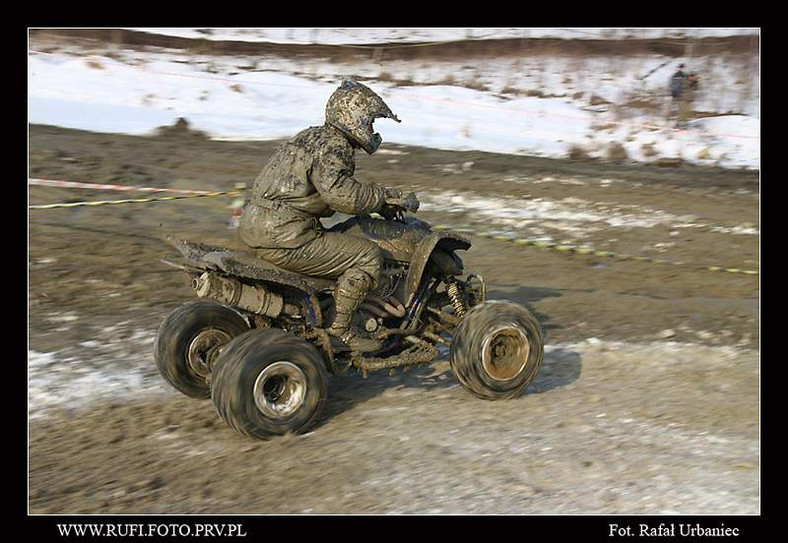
(453, 290)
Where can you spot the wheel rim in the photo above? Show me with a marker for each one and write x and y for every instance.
(204, 349)
(280, 389)
(505, 352)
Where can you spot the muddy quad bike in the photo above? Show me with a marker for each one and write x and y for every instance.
(256, 340)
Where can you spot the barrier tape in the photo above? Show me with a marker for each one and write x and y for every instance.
(182, 193)
(567, 248)
(132, 200)
(100, 186)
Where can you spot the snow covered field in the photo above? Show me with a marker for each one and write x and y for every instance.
(536, 105)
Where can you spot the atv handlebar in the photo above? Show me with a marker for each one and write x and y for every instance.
(392, 212)
(397, 203)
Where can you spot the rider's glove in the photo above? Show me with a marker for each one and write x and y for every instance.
(393, 194)
(410, 202)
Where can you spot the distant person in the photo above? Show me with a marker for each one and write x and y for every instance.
(685, 101)
(681, 95)
(677, 83)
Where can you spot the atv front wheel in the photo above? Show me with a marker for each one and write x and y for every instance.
(188, 343)
(497, 350)
(269, 382)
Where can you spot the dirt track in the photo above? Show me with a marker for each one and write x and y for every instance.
(648, 401)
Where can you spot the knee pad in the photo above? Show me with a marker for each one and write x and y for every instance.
(357, 279)
(371, 263)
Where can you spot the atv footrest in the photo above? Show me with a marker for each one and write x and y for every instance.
(419, 353)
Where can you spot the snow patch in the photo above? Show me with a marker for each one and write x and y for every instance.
(57, 380)
(572, 215)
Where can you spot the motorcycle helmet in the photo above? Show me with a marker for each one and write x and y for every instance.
(353, 108)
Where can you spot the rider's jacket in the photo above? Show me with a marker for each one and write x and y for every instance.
(308, 177)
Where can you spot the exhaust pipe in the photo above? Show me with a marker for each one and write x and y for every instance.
(234, 293)
(391, 306)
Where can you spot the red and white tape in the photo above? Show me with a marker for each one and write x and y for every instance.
(99, 186)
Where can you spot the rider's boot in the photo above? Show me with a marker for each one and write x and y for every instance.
(351, 289)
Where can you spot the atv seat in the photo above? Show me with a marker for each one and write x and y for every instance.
(245, 265)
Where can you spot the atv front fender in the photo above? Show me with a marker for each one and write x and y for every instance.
(438, 240)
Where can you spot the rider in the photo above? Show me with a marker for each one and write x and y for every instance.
(311, 176)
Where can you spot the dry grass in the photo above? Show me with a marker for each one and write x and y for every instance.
(616, 152)
(648, 149)
(181, 128)
(704, 154)
(406, 83)
(576, 152)
(448, 80)
(597, 101)
(475, 84)
(603, 127)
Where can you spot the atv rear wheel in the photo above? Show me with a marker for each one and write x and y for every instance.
(497, 350)
(268, 382)
(189, 341)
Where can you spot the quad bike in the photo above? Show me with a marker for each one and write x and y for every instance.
(256, 341)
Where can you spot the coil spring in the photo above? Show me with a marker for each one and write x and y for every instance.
(453, 290)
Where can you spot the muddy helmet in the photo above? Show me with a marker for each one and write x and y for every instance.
(353, 109)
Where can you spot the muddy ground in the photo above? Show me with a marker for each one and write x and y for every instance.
(647, 403)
